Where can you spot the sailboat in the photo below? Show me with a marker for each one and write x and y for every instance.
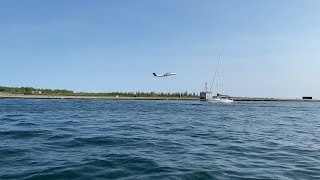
(220, 98)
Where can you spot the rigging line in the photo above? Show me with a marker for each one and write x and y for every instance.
(215, 74)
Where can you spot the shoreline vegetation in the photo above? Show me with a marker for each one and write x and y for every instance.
(30, 91)
(36, 93)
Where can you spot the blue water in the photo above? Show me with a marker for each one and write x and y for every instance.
(107, 139)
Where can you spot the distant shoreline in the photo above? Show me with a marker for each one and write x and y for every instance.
(22, 96)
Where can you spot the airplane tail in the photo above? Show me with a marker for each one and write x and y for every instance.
(154, 74)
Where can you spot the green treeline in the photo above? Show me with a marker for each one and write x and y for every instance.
(31, 90)
(139, 94)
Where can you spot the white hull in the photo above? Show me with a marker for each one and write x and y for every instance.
(220, 100)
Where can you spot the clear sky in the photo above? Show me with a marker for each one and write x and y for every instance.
(269, 48)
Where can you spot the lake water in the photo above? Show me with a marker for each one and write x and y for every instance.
(108, 139)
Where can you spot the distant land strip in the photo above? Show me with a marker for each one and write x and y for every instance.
(23, 96)
(17, 91)
(37, 93)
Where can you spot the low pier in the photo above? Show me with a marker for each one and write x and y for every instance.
(272, 99)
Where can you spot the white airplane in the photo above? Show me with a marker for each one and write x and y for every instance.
(164, 75)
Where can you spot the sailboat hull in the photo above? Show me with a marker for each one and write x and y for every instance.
(220, 100)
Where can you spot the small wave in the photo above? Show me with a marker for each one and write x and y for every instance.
(91, 141)
(269, 106)
(24, 134)
(26, 124)
(197, 104)
(197, 175)
(12, 152)
(113, 166)
(14, 115)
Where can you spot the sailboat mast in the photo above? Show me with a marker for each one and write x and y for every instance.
(218, 75)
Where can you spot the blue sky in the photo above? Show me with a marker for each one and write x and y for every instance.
(269, 48)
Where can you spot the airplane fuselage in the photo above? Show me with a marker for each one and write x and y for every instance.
(164, 75)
